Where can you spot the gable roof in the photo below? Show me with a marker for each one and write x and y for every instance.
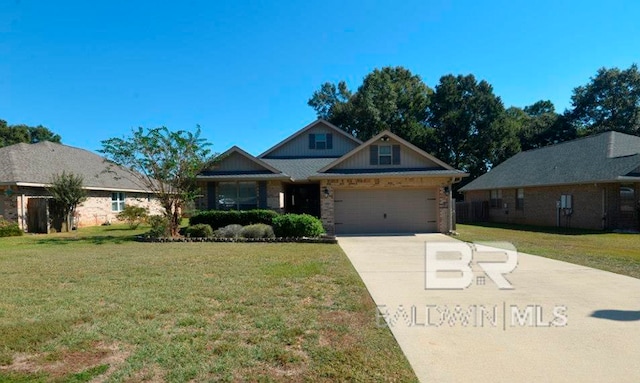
(375, 138)
(304, 130)
(35, 164)
(605, 157)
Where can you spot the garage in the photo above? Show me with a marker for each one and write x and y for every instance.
(369, 211)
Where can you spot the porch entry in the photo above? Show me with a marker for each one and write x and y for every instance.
(302, 199)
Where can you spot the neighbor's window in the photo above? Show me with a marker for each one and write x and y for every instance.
(384, 155)
(519, 199)
(117, 201)
(496, 198)
(237, 195)
(627, 198)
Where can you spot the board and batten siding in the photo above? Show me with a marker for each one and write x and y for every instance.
(237, 163)
(299, 146)
(408, 159)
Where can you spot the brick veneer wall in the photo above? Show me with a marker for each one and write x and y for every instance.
(327, 202)
(595, 206)
(94, 211)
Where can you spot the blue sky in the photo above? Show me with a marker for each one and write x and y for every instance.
(244, 70)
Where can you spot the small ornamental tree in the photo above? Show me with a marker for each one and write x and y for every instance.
(164, 162)
(67, 192)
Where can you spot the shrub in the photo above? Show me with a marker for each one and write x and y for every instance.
(133, 215)
(160, 226)
(258, 230)
(229, 231)
(297, 225)
(9, 229)
(221, 218)
(201, 230)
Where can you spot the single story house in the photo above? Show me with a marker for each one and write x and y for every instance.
(589, 183)
(384, 185)
(27, 169)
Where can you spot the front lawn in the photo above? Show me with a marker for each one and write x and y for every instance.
(95, 304)
(618, 253)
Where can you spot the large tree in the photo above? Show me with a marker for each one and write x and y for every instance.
(610, 101)
(163, 161)
(469, 127)
(67, 192)
(389, 98)
(539, 125)
(15, 134)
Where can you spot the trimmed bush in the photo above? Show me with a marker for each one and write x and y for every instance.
(159, 226)
(297, 225)
(9, 229)
(259, 230)
(201, 230)
(133, 215)
(229, 231)
(221, 218)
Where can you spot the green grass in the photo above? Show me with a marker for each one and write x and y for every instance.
(618, 253)
(94, 303)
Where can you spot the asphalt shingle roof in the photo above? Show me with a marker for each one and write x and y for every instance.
(299, 168)
(600, 158)
(37, 163)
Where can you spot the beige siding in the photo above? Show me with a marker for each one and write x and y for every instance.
(237, 162)
(299, 146)
(408, 159)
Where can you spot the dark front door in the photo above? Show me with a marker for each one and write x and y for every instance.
(303, 199)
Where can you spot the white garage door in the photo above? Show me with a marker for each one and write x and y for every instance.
(362, 211)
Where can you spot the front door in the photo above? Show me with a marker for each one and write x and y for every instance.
(303, 199)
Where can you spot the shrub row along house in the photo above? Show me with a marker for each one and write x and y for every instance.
(384, 185)
(26, 170)
(590, 183)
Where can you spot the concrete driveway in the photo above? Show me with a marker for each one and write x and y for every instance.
(484, 334)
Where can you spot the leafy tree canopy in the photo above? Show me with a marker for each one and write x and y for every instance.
(610, 101)
(15, 134)
(389, 98)
(163, 161)
(67, 192)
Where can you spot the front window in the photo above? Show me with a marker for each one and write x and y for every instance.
(384, 155)
(117, 201)
(496, 198)
(627, 198)
(237, 196)
(519, 199)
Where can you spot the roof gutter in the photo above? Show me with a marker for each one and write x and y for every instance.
(457, 176)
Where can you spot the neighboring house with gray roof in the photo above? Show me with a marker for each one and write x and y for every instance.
(384, 185)
(591, 182)
(27, 169)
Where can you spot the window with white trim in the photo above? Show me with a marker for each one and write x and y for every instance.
(117, 201)
(384, 154)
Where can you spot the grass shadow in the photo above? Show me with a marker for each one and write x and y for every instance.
(93, 239)
(538, 229)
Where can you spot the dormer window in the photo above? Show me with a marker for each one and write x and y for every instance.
(384, 154)
(320, 141)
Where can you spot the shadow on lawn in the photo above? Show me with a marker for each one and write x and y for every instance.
(93, 239)
(538, 229)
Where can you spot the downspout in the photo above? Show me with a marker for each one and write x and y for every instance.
(23, 214)
(451, 206)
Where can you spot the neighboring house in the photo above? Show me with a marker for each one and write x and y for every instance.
(590, 183)
(27, 169)
(384, 185)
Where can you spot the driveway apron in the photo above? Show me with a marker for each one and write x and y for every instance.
(560, 323)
